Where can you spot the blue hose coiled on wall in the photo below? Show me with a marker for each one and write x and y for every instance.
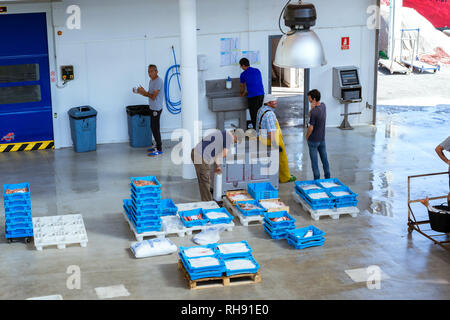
(172, 106)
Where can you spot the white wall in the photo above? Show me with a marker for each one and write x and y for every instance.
(118, 39)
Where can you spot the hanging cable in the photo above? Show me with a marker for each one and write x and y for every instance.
(172, 106)
(281, 14)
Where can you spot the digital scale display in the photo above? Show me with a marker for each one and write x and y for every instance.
(349, 78)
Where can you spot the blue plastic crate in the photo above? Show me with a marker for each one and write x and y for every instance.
(280, 234)
(346, 204)
(19, 233)
(254, 212)
(147, 228)
(193, 212)
(168, 207)
(16, 196)
(347, 198)
(262, 190)
(17, 203)
(219, 220)
(315, 206)
(145, 217)
(145, 196)
(17, 210)
(229, 272)
(11, 227)
(332, 180)
(149, 207)
(226, 256)
(146, 189)
(329, 200)
(298, 234)
(316, 243)
(203, 274)
(26, 234)
(279, 214)
(144, 213)
(182, 250)
(19, 214)
(299, 185)
(18, 219)
(154, 225)
(189, 268)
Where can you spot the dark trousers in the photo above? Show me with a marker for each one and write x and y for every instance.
(156, 130)
(254, 103)
(314, 148)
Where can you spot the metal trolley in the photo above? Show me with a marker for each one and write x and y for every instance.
(441, 239)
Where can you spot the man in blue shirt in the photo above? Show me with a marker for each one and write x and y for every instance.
(252, 86)
(316, 134)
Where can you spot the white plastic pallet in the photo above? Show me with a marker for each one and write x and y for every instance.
(182, 230)
(333, 213)
(60, 231)
(243, 219)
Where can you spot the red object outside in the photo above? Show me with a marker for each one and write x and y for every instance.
(345, 43)
(435, 11)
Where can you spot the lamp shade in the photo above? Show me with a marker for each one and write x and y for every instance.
(301, 49)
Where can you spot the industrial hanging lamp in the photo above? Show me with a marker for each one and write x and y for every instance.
(300, 47)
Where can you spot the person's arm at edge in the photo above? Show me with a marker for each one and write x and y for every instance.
(440, 152)
(309, 131)
(217, 160)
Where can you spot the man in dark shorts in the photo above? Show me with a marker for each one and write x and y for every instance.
(252, 86)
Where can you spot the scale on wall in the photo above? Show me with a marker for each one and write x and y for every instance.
(347, 89)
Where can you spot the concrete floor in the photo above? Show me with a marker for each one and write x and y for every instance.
(373, 161)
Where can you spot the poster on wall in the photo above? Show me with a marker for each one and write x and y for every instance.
(229, 51)
(252, 56)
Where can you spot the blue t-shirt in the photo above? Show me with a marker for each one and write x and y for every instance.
(253, 80)
(318, 120)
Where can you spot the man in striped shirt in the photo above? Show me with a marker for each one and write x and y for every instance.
(268, 130)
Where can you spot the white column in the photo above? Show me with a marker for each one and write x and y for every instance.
(189, 80)
(395, 25)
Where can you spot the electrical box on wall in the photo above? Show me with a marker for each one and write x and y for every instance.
(202, 62)
(67, 73)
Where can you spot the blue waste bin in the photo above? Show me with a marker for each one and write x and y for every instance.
(83, 127)
(139, 128)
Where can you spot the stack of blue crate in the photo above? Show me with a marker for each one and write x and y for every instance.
(314, 195)
(237, 257)
(343, 195)
(338, 195)
(201, 262)
(277, 224)
(145, 209)
(306, 237)
(18, 218)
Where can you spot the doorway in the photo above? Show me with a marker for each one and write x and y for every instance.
(25, 97)
(288, 84)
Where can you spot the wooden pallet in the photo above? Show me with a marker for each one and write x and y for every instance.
(245, 221)
(220, 282)
(333, 213)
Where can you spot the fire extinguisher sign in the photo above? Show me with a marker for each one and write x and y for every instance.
(345, 43)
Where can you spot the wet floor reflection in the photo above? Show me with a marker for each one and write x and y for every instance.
(404, 146)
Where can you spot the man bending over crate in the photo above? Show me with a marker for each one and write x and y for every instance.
(212, 150)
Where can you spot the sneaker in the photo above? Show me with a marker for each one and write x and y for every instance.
(152, 149)
(155, 153)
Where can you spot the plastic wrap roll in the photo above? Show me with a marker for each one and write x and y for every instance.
(218, 187)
